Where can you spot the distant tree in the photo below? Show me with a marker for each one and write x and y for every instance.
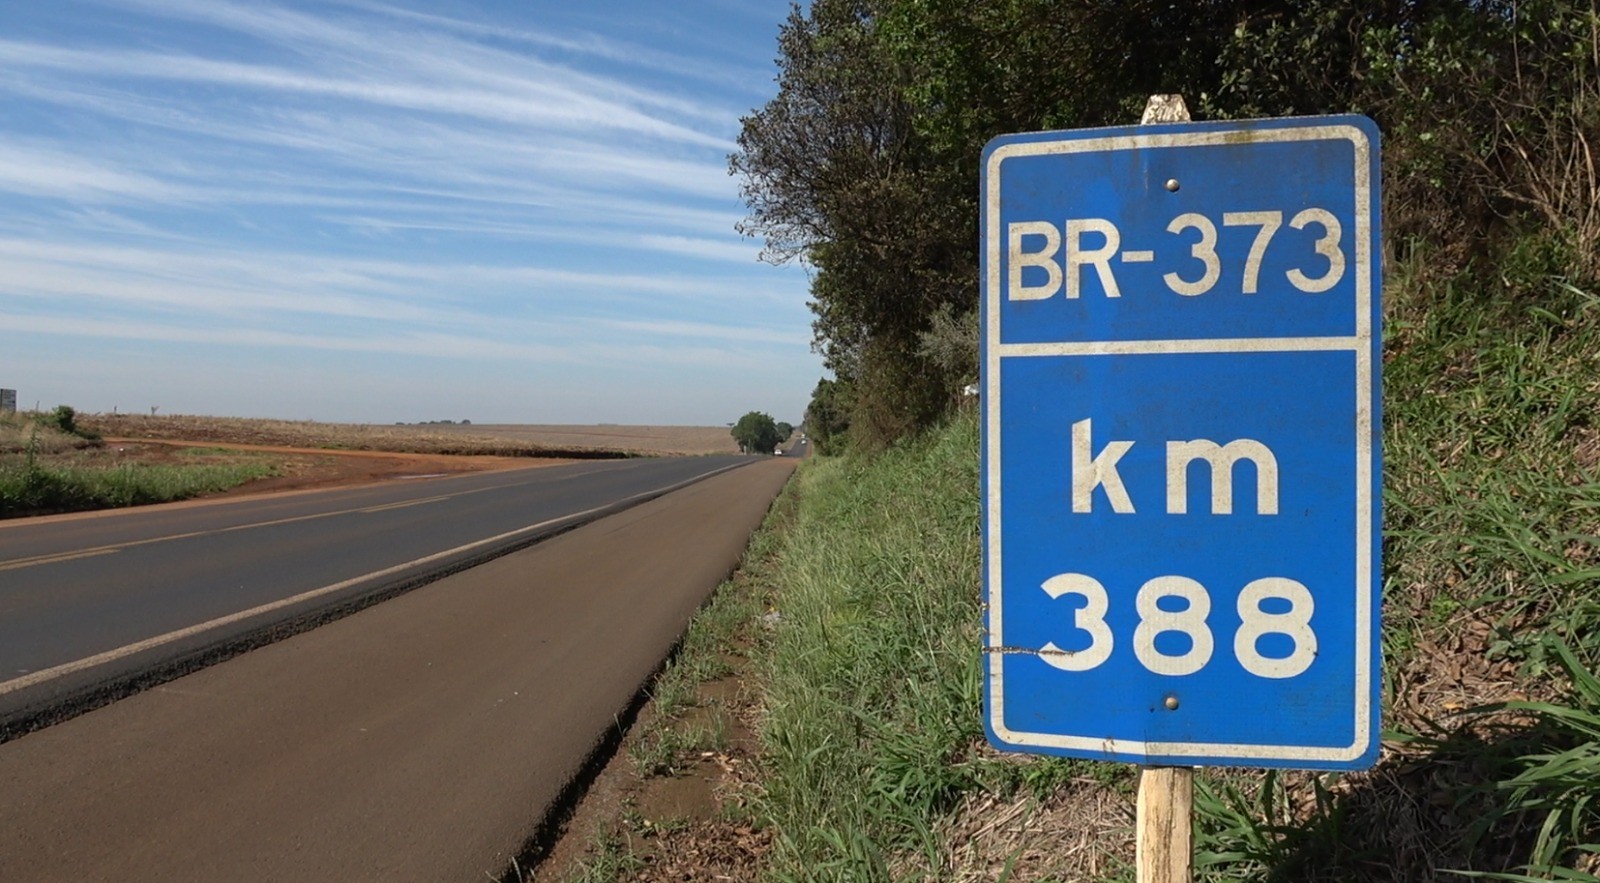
(756, 433)
(785, 430)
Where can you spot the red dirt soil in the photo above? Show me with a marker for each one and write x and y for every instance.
(305, 468)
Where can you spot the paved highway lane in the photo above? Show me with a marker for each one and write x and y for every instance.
(95, 607)
(422, 738)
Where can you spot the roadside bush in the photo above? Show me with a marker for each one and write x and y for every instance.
(64, 419)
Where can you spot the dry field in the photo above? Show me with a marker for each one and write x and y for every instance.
(652, 439)
(506, 440)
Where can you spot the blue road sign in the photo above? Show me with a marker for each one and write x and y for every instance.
(1180, 442)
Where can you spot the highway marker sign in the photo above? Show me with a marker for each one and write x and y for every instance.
(1181, 457)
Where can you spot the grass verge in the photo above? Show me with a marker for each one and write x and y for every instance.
(871, 678)
(875, 767)
(49, 464)
(30, 488)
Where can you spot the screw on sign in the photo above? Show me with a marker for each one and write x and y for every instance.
(1181, 461)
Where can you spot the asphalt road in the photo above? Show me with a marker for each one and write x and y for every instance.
(418, 739)
(92, 608)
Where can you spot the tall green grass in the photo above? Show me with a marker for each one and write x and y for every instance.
(29, 487)
(1555, 784)
(1493, 500)
(871, 682)
(1489, 400)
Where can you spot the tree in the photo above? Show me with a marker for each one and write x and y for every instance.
(785, 430)
(864, 164)
(756, 433)
(827, 417)
(835, 175)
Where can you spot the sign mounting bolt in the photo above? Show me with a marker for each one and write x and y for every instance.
(1172, 703)
(1172, 185)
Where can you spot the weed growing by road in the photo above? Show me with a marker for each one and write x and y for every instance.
(609, 860)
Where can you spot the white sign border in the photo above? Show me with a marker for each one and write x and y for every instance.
(1360, 343)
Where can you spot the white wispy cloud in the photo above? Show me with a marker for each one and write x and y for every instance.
(713, 249)
(291, 285)
(748, 334)
(741, 77)
(521, 101)
(415, 344)
(364, 178)
(61, 175)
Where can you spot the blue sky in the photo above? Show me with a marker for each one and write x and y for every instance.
(390, 210)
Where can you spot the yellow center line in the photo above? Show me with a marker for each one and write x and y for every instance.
(59, 556)
(17, 563)
(405, 503)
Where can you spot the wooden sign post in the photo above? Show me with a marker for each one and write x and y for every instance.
(1163, 845)
(1164, 811)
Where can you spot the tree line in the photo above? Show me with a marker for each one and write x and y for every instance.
(864, 166)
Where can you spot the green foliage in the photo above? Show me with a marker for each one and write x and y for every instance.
(828, 416)
(64, 419)
(1555, 782)
(756, 433)
(29, 487)
(1248, 830)
(871, 677)
(1491, 114)
(951, 343)
(835, 174)
(863, 165)
(1490, 504)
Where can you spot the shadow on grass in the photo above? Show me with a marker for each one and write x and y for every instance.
(1508, 794)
